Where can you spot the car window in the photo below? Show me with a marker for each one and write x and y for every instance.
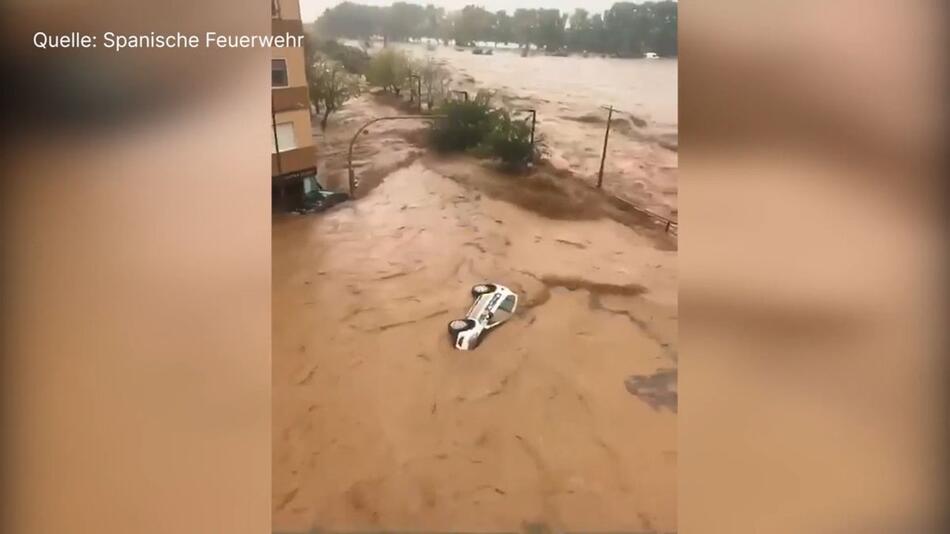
(478, 302)
(504, 310)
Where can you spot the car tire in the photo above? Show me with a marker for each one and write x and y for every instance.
(460, 325)
(481, 289)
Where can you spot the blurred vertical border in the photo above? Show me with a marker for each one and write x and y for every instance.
(812, 252)
(813, 376)
(136, 295)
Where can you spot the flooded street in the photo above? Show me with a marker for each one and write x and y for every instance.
(568, 93)
(564, 416)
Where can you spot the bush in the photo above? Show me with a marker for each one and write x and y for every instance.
(389, 69)
(466, 125)
(509, 140)
(434, 79)
(475, 125)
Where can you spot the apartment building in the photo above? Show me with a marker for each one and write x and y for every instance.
(294, 157)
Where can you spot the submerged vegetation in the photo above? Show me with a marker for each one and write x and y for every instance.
(330, 87)
(465, 126)
(509, 139)
(333, 74)
(434, 79)
(389, 69)
(394, 71)
(476, 125)
(624, 30)
(472, 125)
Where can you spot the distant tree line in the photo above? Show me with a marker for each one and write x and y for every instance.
(624, 30)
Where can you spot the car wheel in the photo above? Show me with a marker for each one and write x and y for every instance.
(460, 325)
(481, 289)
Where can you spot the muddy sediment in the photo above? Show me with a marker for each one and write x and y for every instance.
(642, 154)
(563, 418)
(550, 193)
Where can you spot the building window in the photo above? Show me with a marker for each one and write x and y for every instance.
(286, 140)
(278, 73)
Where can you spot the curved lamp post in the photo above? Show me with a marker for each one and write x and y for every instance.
(349, 158)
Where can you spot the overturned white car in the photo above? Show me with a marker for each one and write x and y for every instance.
(494, 304)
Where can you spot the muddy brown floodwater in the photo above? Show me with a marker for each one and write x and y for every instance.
(565, 416)
(568, 92)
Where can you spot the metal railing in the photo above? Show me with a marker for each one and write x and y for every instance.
(670, 226)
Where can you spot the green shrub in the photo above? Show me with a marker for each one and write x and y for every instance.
(466, 125)
(389, 69)
(509, 140)
(474, 125)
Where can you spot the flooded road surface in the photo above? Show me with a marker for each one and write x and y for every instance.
(565, 415)
(384, 147)
(568, 93)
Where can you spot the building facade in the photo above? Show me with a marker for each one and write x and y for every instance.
(293, 155)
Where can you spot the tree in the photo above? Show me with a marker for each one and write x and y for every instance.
(389, 69)
(433, 77)
(355, 21)
(446, 27)
(550, 29)
(598, 34)
(509, 140)
(353, 59)
(666, 20)
(402, 21)
(524, 25)
(434, 20)
(627, 29)
(332, 86)
(579, 32)
(473, 24)
(503, 29)
(627, 26)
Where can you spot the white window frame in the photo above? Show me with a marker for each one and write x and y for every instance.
(277, 140)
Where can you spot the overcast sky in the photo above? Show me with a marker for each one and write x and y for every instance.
(311, 9)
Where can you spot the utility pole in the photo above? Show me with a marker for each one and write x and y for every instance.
(600, 175)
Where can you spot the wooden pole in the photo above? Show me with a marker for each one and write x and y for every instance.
(603, 156)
